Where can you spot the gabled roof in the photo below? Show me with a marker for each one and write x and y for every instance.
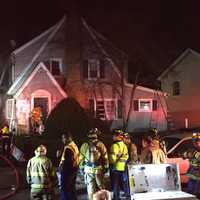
(32, 75)
(49, 34)
(177, 61)
(113, 55)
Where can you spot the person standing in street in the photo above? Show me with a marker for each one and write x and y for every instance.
(94, 163)
(6, 140)
(40, 175)
(194, 169)
(152, 153)
(68, 168)
(118, 157)
(132, 159)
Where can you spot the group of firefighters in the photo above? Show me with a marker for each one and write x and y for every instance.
(94, 161)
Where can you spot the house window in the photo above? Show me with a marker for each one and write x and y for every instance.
(176, 88)
(105, 109)
(10, 108)
(93, 69)
(145, 105)
(54, 66)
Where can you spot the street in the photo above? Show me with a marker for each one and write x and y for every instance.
(8, 182)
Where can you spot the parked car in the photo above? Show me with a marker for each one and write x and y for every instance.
(176, 155)
(172, 139)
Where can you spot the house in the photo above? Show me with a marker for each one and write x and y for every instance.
(182, 84)
(71, 59)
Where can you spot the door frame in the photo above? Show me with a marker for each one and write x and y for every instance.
(41, 94)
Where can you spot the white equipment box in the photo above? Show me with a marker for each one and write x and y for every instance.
(156, 182)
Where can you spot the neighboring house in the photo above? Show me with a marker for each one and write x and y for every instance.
(72, 59)
(182, 83)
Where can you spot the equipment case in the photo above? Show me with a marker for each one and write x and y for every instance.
(156, 182)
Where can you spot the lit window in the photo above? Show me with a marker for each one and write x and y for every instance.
(54, 66)
(145, 105)
(93, 69)
(176, 88)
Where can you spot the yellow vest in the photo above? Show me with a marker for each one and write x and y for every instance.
(118, 155)
(73, 147)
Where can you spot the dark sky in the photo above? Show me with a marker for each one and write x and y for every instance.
(152, 32)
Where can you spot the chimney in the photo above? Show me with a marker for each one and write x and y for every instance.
(73, 40)
(74, 87)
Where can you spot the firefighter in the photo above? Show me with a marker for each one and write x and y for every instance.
(6, 140)
(68, 168)
(194, 169)
(41, 175)
(118, 158)
(93, 163)
(132, 149)
(152, 153)
(133, 158)
(154, 134)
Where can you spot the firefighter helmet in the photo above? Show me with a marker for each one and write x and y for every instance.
(126, 135)
(41, 150)
(93, 133)
(196, 136)
(119, 134)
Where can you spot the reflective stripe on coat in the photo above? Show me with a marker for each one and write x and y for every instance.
(40, 172)
(76, 157)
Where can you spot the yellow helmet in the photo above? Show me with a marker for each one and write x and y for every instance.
(41, 150)
(196, 136)
(119, 134)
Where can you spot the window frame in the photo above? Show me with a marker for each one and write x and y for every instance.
(97, 63)
(9, 116)
(59, 60)
(142, 110)
(176, 88)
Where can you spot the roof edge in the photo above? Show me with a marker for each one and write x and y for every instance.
(178, 60)
(35, 39)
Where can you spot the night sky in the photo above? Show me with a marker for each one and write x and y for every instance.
(152, 32)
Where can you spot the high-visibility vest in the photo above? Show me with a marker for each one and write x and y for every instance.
(118, 155)
(195, 161)
(73, 147)
(40, 173)
(194, 169)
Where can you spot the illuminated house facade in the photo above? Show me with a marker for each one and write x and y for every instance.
(71, 59)
(181, 82)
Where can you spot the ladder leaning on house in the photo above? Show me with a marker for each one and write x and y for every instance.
(168, 116)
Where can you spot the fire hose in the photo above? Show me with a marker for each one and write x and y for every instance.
(17, 181)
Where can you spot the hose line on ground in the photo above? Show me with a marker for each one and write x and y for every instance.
(16, 172)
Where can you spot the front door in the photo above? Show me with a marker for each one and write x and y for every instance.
(41, 102)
